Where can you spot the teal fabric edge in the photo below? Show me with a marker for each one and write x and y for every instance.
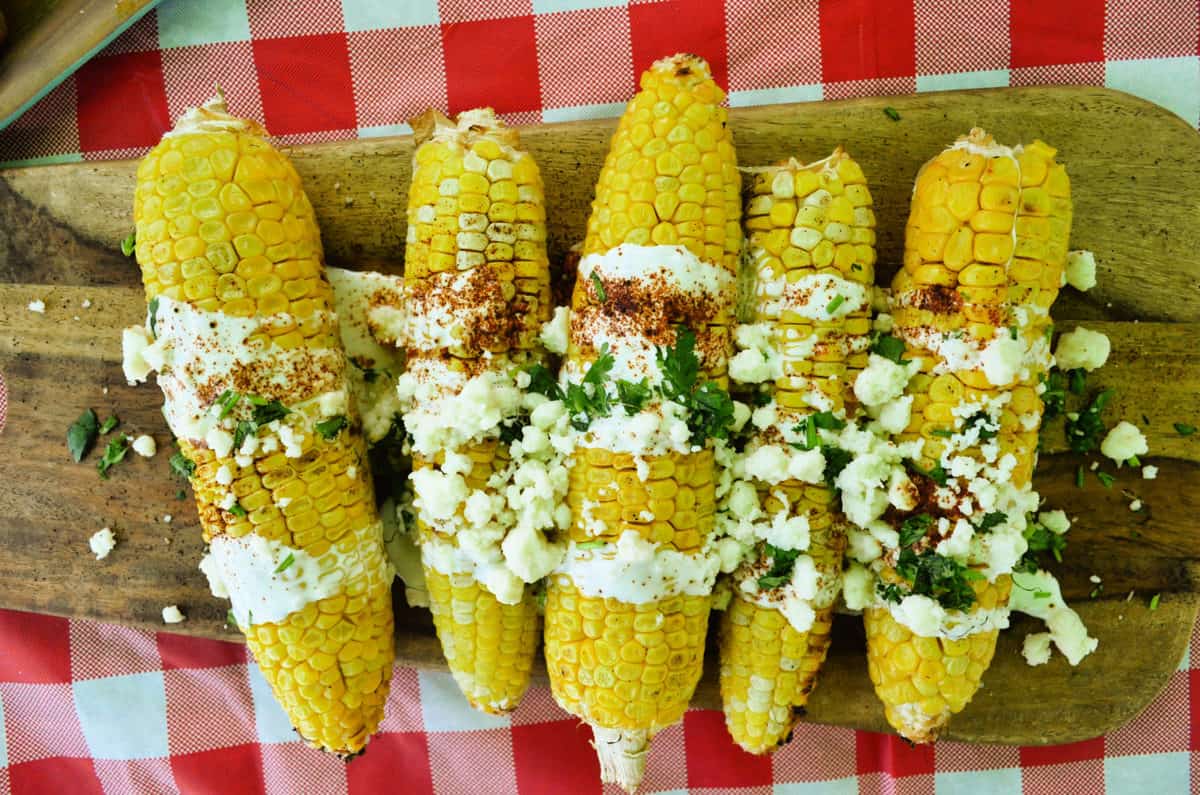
(53, 84)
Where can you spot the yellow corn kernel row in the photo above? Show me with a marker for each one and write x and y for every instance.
(768, 669)
(800, 220)
(670, 178)
(673, 506)
(476, 206)
(223, 223)
(923, 681)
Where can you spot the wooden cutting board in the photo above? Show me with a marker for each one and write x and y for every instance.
(1135, 172)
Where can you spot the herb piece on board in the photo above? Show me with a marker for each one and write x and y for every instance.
(114, 453)
(182, 466)
(891, 113)
(1183, 429)
(1086, 430)
(129, 244)
(82, 435)
(110, 423)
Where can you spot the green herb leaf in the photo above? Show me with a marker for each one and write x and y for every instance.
(230, 618)
(330, 428)
(914, 529)
(1078, 380)
(1106, 480)
(889, 347)
(1054, 397)
(633, 395)
(1133, 461)
(244, 429)
(1154, 601)
(938, 577)
(834, 303)
(890, 592)
(182, 466)
(590, 544)
(599, 287)
(1085, 431)
(114, 453)
(152, 315)
(827, 421)
(1079, 476)
(228, 401)
(543, 383)
(1041, 594)
(710, 408)
(836, 459)
(129, 244)
(266, 412)
(1040, 540)
(782, 563)
(82, 435)
(1012, 332)
(1183, 429)
(891, 113)
(937, 474)
(238, 510)
(110, 423)
(988, 429)
(990, 520)
(945, 433)
(285, 563)
(181, 495)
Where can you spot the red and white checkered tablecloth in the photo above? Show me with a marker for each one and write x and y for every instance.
(87, 707)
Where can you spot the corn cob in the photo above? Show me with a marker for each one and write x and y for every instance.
(985, 242)
(231, 260)
(800, 221)
(475, 262)
(623, 658)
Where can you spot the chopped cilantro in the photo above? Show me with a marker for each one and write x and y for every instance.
(601, 293)
(1012, 332)
(782, 563)
(114, 453)
(82, 435)
(1106, 480)
(181, 495)
(590, 544)
(285, 563)
(985, 424)
(937, 474)
(633, 395)
(228, 401)
(389, 463)
(710, 407)
(1079, 475)
(1041, 594)
(152, 316)
(237, 510)
(182, 466)
(542, 382)
(330, 428)
(889, 347)
(890, 592)
(990, 519)
(809, 429)
(1133, 461)
(1085, 431)
(512, 429)
(914, 529)
(1183, 429)
(244, 429)
(129, 243)
(1154, 601)
(369, 374)
(110, 423)
(939, 577)
(1039, 540)
(834, 303)
(1055, 395)
(945, 433)
(836, 459)
(1078, 381)
(266, 412)
(230, 618)
(827, 421)
(891, 113)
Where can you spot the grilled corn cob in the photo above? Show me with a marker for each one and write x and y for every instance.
(242, 330)
(626, 621)
(478, 292)
(985, 242)
(801, 221)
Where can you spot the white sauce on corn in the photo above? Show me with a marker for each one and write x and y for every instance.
(636, 571)
(252, 572)
(816, 296)
(674, 265)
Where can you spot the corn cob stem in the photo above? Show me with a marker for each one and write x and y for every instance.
(231, 262)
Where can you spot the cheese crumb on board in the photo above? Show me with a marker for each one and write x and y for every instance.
(1036, 648)
(1081, 270)
(102, 542)
(172, 615)
(1082, 348)
(38, 306)
(1149, 472)
(1124, 442)
(144, 446)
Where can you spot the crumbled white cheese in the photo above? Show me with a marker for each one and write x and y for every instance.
(225, 475)
(438, 494)
(171, 615)
(1081, 270)
(1094, 579)
(1149, 472)
(144, 446)
(529, 555)
(1135, 506)
(1124, 442)
(1039, 595)
(1054, 521)
(1002, 360)
(858, 587)
(1036, 648)
(787, 532)
(167, 518)
(881, 380)
(102, 542)
(758, 360)
(1082, 348)
(219, 441)
(38, 306)
(556, 330)
(894, 416)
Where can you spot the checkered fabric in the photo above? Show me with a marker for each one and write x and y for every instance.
(87, 707)
(95, 708)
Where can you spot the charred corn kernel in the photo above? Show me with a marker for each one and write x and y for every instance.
(670, 179)
(923, 681)
(218, 177)
(477, 218)
(768, 668)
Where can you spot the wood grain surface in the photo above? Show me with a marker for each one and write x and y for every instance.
(1136, 179)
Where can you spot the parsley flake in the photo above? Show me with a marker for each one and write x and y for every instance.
(114, 453)
(152, 316)
(1106, 480)
(889, 347)
(633, 395)
(782, 563)
(834, 303)
(937, 474)
(914, 529)
(228, 401)
(285, 564)
(1085, 431)
(990, 520)
(590, 544)
(82, 435)
(1183, 429)
(330, 428)
(1154, 601)
(237, 510)
(891, 113)
(182, 466)
(598, 285)
(266, 412)
(939, 577)
(1079, 475)
(129, 243)
(710, 408)
(110, 423)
